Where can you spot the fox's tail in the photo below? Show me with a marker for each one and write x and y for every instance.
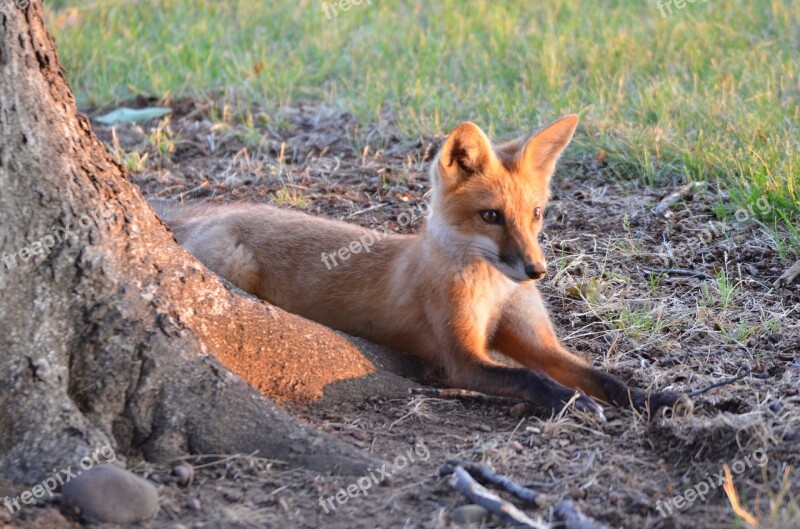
(167, 210)
(172, 212)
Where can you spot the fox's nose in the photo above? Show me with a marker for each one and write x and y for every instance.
(535, 270)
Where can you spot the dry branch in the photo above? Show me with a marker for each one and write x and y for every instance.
(566, 513)
(484, 475)
(789, 275)
(740, 376)
(662, 209)
(464, 483)
(469, 478)
(677, 272)
(453, 393)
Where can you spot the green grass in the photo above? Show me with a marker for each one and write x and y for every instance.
(710, 92)
(642, 322)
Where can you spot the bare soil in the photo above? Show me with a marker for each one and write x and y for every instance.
(658, 331)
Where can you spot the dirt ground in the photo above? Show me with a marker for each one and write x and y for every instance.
(661, 331)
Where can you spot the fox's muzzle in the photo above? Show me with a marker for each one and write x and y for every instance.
(535, 271)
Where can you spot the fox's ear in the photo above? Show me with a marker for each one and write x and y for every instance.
(466, 151)
(545, 147)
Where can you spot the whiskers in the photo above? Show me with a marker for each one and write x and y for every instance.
(485, 251)
(480, 250)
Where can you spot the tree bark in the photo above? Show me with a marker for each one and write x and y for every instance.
(110, 332)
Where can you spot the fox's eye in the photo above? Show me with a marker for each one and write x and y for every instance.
(537, 214)
(491, 216)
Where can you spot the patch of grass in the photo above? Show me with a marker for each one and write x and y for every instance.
(708, 93)
(726, 288)
(162, 138)
(654, 281)
(640, 322)
(131, 161)
(290, 197)
(721, 292)
(741, 333)
(630, 244)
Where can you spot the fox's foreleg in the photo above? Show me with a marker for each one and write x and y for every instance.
(526, 335)
(468, 366)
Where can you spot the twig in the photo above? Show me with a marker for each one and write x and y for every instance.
(662, 208)
(789, 275)
(371, 208)
(484, 475)
(192, 190)
(464, 483)
(672, 360)
(723, 383)
(677, 272)
(453, 393)
(566, 513)
(472, 487)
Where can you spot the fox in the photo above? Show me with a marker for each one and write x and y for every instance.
(461, 288)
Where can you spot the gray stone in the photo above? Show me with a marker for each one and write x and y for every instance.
(470, 515)
(108, 493)
(184, 474)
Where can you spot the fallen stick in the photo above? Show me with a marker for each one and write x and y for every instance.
(740, 376)
(677, 272)
(789, 275)
(462, 480)
(371, 208)
(672, 360)
(452, 393)
(484, 475)
(464, 483)
(566, 513)
(662, 208)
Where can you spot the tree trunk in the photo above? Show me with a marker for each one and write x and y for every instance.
(111, 333)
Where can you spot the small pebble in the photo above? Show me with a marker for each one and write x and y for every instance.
(577, 494)
(232, 494)
(518, 410)
(516, 446)
(108, 493)
(184, 474)
(470, 515)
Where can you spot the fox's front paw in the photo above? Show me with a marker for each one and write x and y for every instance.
(671, 404)
(587, 405)
(667, 403)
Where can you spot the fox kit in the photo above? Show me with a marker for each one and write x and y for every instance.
(462, 287)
